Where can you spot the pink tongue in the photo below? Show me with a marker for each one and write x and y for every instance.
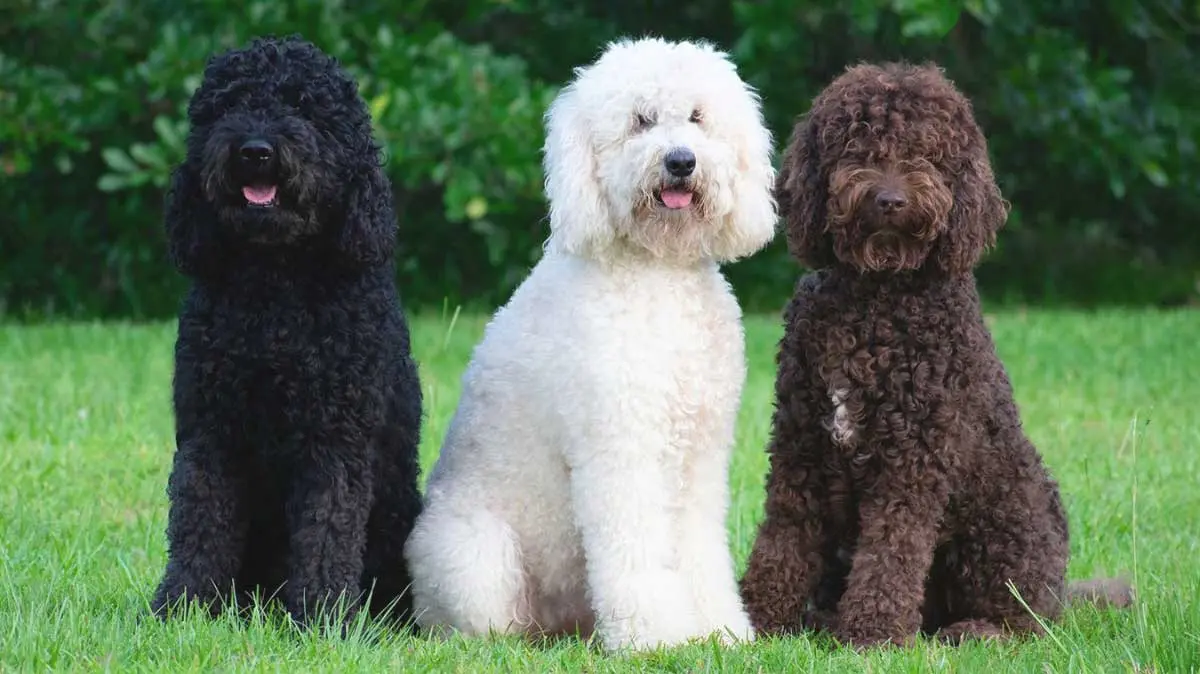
(259, 195)
(674, 199)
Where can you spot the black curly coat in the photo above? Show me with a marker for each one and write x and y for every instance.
(297, 402)
(903, 493)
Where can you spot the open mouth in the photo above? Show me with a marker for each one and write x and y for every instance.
(675, 198)
(262, 196)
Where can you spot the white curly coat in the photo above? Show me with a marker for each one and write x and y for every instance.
(583, 482)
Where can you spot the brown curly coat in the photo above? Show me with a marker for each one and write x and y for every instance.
(903, 494)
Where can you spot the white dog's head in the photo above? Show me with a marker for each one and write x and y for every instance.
(659, 147)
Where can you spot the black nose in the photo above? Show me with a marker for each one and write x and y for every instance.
(256, 152)
(890, 200)
(680, 162)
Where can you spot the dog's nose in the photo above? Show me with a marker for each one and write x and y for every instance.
(256, 152)
(890, 200)
(680, 162)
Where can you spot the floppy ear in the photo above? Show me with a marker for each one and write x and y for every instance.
(751, 225)
(579, 216)
(193, 243)
(367, 236)
(801, 190)
(978, 212)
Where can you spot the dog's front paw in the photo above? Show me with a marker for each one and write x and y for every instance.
(819, 620)
(721, 612)
(733, 629)
(173, 597)
(331, 613)
(631, 638)
(656, 611)
(164, 603)
(862, 636)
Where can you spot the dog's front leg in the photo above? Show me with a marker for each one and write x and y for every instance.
(706, 557)
(886, 585)
(621, 502)
(787, 561)
(206, 525)
(327, 522)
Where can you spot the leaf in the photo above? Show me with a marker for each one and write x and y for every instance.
(117, 160)
(984, 11)
(384, 37)
(1155, 173)
(111, 182)
(864, 14)
(106, 85)
(379, 105)
(167, 131)
(476, 208)
(928, 19)
(150, 155)
(1117, 187)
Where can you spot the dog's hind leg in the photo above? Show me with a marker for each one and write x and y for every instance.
(385, 574)
(1023, 546)
(393, 514)
(467, 572)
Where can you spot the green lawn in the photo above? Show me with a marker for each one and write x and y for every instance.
(85, 425)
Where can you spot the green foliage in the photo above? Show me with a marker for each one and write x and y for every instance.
(1087, 105)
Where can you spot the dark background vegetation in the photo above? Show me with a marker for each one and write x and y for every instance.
(1091, 107)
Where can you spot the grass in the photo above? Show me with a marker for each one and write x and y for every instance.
(86, 439)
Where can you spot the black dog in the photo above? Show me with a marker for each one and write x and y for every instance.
(297, 402)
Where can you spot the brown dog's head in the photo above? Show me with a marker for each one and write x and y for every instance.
(889, 171)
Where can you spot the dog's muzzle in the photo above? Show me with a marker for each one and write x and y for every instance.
(676, 192)
(257, 168)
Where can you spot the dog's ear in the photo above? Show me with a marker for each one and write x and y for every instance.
(193, 243)
(978, 212)
(367, 236)
(751, 224)
(579, 215)
(801, 190)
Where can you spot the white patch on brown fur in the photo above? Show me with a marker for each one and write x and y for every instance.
(843, 427)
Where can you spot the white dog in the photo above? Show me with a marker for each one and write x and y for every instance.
(583, 483)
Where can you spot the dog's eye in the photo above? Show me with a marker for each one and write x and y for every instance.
(696, 117)
(642, 121)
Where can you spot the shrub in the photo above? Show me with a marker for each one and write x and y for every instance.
(1086, 106)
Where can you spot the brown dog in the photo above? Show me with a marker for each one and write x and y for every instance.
(903, 493)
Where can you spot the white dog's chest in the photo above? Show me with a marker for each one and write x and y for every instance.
(705, 378)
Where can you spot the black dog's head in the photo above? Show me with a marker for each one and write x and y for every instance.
(280, 155)
(887, 172)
